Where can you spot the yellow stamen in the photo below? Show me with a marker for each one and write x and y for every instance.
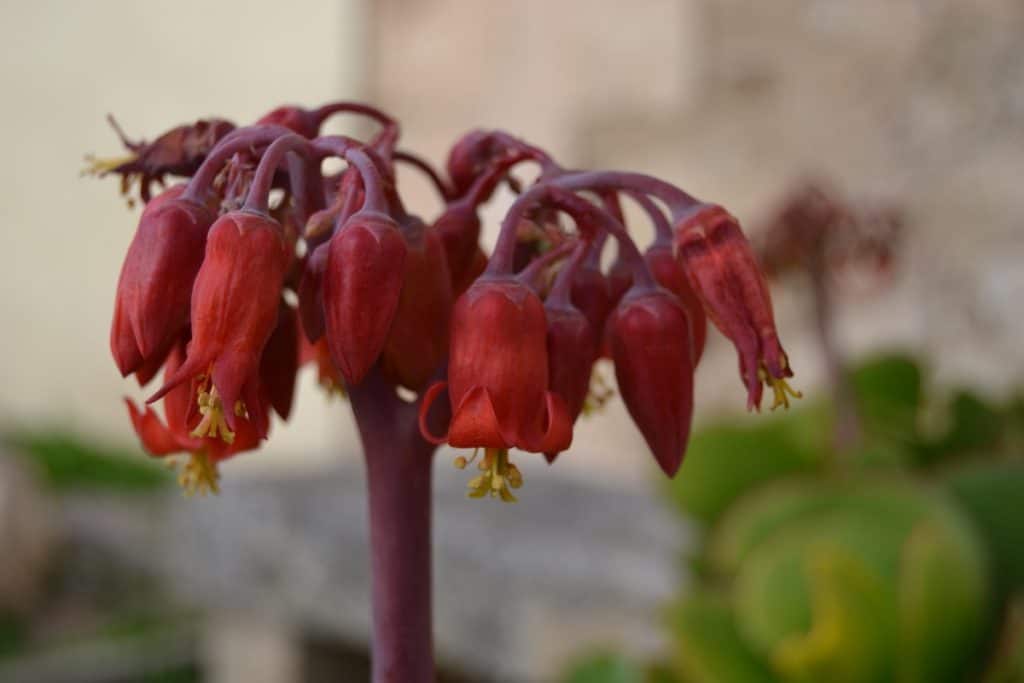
(780, 388)
(499, 476)
(213, 424)
(100, 167)
(199, 475)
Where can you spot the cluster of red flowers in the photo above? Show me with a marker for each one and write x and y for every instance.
(260, 260)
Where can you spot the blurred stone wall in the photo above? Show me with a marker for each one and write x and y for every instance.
(917, 101)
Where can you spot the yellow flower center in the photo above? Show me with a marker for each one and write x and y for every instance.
(498, 476)
(214, 425)
(199, 475)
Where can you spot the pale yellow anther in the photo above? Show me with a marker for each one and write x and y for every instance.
(98, 166)
(781, 391)
(499, 475)
(461, 462)
(213, 423)
(199, 475)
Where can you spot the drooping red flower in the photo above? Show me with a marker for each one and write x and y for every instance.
(362, 284)
(572, 350)
(670, 275)
(280, 361)
(417, 342)
(234, 311)
(650, 341)
(151, 307)
(726, 277)
(184, 430)
(498, 373)
(311, 296)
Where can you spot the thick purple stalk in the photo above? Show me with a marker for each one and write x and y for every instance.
(398, 465)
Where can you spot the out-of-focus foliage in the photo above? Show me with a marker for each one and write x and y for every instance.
(893, 560)
(67, 461)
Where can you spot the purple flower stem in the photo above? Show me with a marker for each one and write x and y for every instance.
(398, 464)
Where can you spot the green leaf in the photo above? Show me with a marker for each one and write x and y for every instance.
(604, 667)
(708, 647)
(726, 460)
(992, 494)
(68, 461)
(943, 602)
(888, 391)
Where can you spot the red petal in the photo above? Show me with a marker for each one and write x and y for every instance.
(428, 399)
(156, 438)
(475, 423)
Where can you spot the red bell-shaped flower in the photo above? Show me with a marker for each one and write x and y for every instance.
(311, 295)
(459, 230)
(650, 339)
(572, 350)
(280, 361)
(151, 309)
(724, 273)
(418, 341)
(670, 275)
(185, 430)
(498, 373)
(590, 294)
(362, 284)
(234, 311)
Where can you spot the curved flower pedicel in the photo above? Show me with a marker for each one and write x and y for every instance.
(261, 262)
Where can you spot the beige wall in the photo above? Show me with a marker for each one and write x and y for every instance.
(63, 66)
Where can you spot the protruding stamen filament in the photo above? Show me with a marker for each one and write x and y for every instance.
(213, 424)
(98, 167)
(199, 475)
(598, 395)
(499, 476)
(780, 388)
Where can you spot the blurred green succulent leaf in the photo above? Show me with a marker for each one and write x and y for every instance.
(724, 461)
(842, 581)
(943, 602)
(889, 395)
(708, 647)
(992, 495)
(604, 667)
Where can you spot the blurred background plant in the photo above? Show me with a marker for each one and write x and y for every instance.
(870, 534)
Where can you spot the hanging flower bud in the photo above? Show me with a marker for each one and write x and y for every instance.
(498, 373)
(280, 361)
(650, 339)
(459, 231)
(151, 308)
(724, 273)
(234, 310)
(670, 275)
(311, 295)
(362, 284)
(469, 157)
(417, 343)
(296, 119)
(572, 349)
(590, 294)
